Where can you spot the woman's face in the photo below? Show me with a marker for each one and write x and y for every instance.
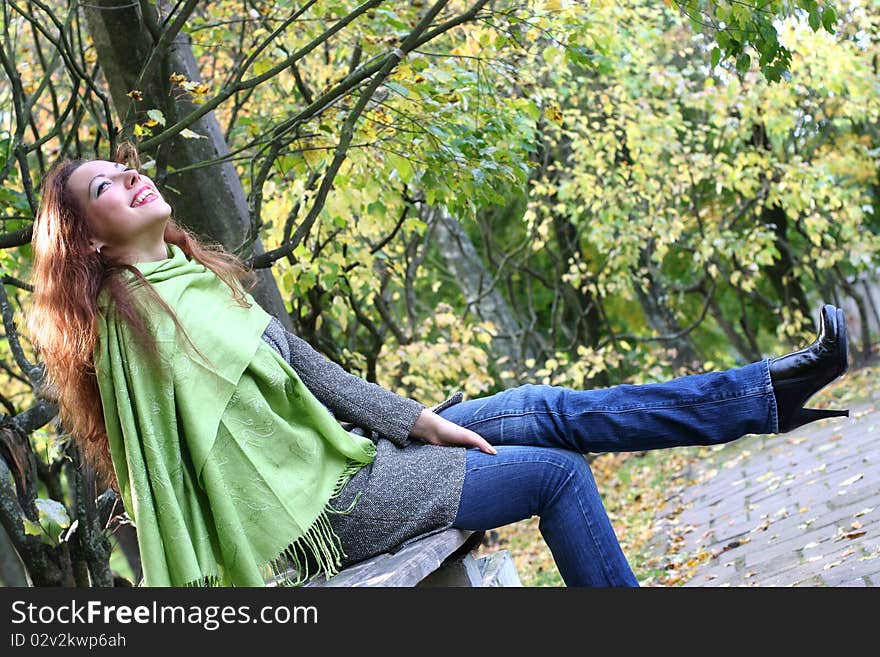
(123, 221)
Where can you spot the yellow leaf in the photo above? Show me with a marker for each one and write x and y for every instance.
(31, 528)
(554, 113)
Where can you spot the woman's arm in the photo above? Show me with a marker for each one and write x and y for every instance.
(350, 398)
(353, 399)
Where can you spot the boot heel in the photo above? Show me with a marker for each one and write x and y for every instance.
(805, 415)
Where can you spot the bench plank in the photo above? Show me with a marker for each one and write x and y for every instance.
(499, 569)
(406, 567)
(458, 571)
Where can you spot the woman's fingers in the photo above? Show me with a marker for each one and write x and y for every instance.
(478, 441)
(449, 433)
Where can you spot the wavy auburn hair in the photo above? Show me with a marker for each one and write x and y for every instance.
(67, 278)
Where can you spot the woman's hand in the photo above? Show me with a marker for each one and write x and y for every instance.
(435, 430)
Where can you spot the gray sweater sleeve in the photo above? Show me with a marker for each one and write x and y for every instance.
(350, 398)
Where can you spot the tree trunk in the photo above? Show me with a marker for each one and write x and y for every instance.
(485, 302)
(743, 346)
(208, 200)
(781, 272)
(12, 572)
(659, 317)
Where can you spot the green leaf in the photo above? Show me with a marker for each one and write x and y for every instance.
(579, 55)
(306, 281)
(157, 116)
(377, 208)
(403, 167)
(53, 511)
(301, 252)
(716, 56)
(261, 66)
(398, 89)
(829, 17)
(768, 32)
(814, 20)
(32, 528)
(742, 63)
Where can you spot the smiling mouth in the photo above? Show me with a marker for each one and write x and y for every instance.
(149, 198)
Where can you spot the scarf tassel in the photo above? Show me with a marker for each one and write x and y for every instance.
(320, 547)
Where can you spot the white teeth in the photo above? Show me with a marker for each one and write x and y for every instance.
(141, 197)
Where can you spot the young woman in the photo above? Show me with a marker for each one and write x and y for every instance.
(237, 449)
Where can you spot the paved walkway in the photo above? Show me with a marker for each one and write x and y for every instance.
(797, 509)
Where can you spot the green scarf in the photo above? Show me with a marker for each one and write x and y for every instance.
(227, 468)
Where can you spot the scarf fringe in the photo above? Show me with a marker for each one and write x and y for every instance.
(319, 542)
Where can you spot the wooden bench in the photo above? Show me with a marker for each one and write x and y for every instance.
(443, 559)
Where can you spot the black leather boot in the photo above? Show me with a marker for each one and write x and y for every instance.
(799, 375)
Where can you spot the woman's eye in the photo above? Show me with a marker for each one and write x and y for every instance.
(101, 185)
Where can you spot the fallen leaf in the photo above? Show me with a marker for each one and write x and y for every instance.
(856, 525)
(763, 526)
(855, 534)
(864, 512)
(832, 564)
(731, 545)
(836, 437)
(807, 523)
(750, 574)
(851, 480)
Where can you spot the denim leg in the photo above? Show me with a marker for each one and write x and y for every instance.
(700, 409)
(557, 485)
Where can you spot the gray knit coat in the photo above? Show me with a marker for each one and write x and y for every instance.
(411, 489)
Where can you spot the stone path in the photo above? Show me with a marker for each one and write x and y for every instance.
(797, 509)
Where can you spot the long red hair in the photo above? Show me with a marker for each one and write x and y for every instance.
(67, 277)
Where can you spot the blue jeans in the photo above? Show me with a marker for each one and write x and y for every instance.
(541, 433)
